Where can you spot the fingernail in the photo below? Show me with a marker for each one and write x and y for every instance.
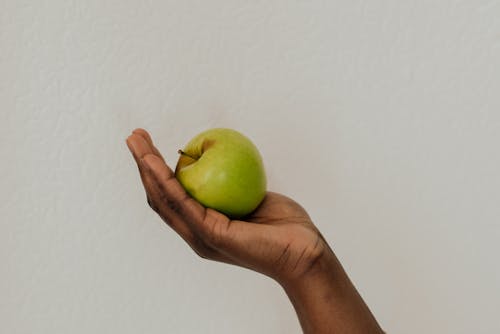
(130, 144)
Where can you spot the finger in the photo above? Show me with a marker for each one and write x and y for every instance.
(171, 218)
(163, 200)
(144, 134)
(278, 209)
(157, 202)
(175, 197)
(139, 148)
(238, 239)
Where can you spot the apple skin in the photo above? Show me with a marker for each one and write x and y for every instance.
(223, 170)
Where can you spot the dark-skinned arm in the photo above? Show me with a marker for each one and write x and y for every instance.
(278, 239)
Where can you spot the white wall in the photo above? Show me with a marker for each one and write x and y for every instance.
(381, 117)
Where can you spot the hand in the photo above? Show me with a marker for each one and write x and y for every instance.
(278, 239)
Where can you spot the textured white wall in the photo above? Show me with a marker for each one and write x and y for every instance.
(381, 117)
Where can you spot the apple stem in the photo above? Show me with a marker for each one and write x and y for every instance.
(184, 153)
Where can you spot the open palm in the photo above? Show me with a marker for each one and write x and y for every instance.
(278, 239)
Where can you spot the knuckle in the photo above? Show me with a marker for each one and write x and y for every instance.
(151, 204)
(202, 250)
(201, 254)
(215, 237)
(166, 220)
(173, 206)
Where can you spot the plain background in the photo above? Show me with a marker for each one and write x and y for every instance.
(382, 118)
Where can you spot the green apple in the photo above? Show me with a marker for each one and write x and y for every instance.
(223, 170)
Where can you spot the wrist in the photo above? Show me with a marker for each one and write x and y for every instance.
(320, 271)
(326, 301)
(325, 277)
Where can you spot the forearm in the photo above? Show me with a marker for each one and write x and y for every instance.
(326, 301)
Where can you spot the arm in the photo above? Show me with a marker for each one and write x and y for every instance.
(278, 239)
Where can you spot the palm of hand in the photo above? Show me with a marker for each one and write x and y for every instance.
(291, 243)
(278, 239)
